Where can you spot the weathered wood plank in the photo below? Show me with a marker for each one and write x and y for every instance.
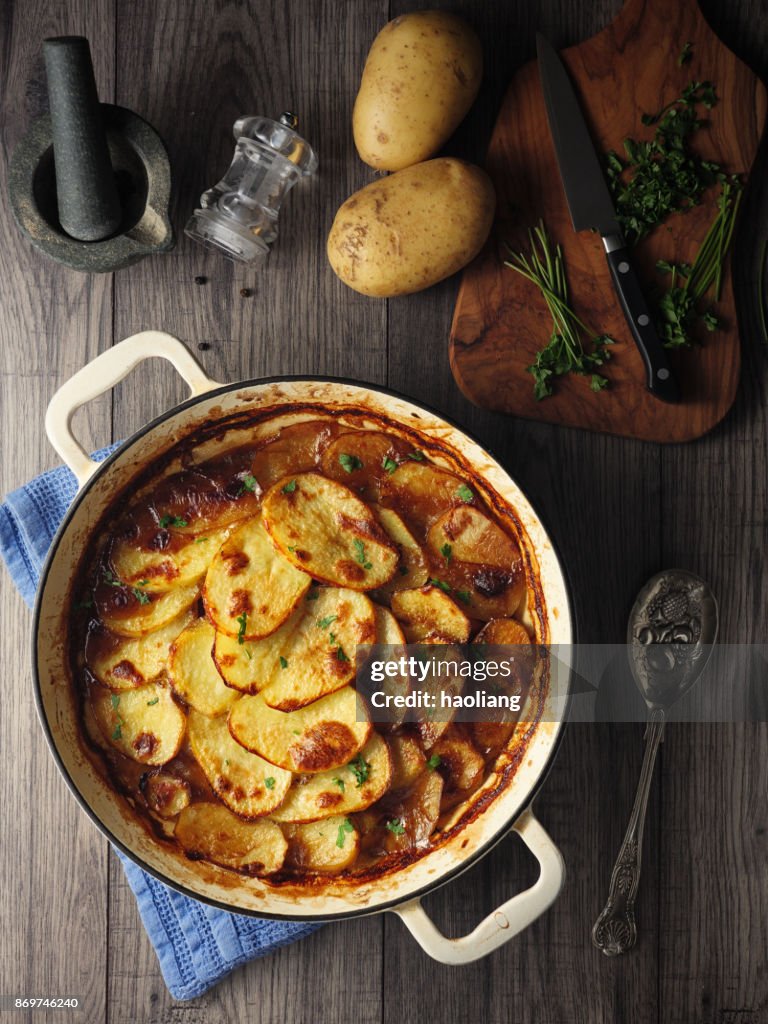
(53, 920)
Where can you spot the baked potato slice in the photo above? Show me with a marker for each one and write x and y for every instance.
(294, 449)
(350, 787)
(145, 724)
(322, 527)
(166, 794)
(123, 612)
(249, 666)
(173, 566)
(193, 674)
(206, 498)
(421, 491)
(503, 631)
(123, 663)
(207, 831)
(412, 570)
(326, 846)
(318, 656)
(411, 821)
(430, 612)
(250, 786)
(461, 767)
(315, 738)
(408, 760)
(361, 459)
(250, 589)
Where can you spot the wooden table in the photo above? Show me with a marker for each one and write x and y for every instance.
(618, 510)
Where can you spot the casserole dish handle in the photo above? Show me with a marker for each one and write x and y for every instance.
(507, 920)
(102, 374)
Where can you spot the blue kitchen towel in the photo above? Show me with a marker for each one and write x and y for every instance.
(195, 944)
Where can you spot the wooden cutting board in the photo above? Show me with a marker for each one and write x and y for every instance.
(500, 320)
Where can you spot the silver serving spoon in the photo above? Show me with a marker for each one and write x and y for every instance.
(672, 629)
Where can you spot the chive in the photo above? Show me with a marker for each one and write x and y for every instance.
(241, 621)
(345, 827)
(151, 703)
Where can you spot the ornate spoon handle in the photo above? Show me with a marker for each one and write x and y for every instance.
(615, 930)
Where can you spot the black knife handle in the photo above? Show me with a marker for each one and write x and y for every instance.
(660, 380)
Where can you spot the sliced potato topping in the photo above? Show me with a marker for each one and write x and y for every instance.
(144, 724)
(326, 846)
(503, 631)
(324, 528)
(248, 785)
(294, 449)
(122, 663)
(248, 666)
(322, 735)
(461, 766)
(429, 612)
(420, 491)
(206, 498)
(412, 820)
(319, 655)
(345, 789)
(122, 612)
(250, 589)
(412, 570)
(408, 760)
(184, 560)
(166, 794)
(193, 674)
(362, 459)
(211, 832)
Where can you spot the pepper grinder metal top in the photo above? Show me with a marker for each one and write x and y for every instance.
(238, 216)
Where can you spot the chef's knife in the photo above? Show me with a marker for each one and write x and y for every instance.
(591, 206)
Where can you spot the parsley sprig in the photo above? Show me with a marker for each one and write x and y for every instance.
(565, 351)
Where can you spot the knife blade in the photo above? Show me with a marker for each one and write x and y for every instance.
(591, 207)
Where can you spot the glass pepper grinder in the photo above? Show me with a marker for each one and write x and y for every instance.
(238, 216)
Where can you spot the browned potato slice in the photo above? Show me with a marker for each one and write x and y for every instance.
(503, 631)
(320, 736)
(429, 612)
(165, 793)
(122, 663)
(295, 449)
(342, 790)
(479, 560)
(248, 785)
(144, 724)
(123, 613)
(491, 738)
(193, 674)
(420, 491)
(249, 666)
(185, 560)
(408, 760)
(326, 846)
(412, 821)
(412, 570)
(250, 589)
(211, 832)
(461, 767)
(359, 459)
(319, 655)
(205, 498)
(325, 529)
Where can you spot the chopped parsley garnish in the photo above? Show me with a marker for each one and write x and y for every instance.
(269, 782)
(289, 488)
(340, 783)
(396, 827)
(111, 580)
(117, 732)
(202, 540)
(464, 595)
(325, 622)
(249, 484)
(345, 827)
(416, 455)
(248, 653)
(360, 558)
(446, 551)
(226, 762)
(388, 465)
(242, 621)
(350, 462)
(115, 700)
(685, 54)
(140, 595)
(172, 521)
(434, 762)
(341, 654)
(283, 662)
(441, 584)
(151, 703)
(360, 768)
(465, 493)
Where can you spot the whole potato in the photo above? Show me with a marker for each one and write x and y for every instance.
(421, 77)
(405, 232)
